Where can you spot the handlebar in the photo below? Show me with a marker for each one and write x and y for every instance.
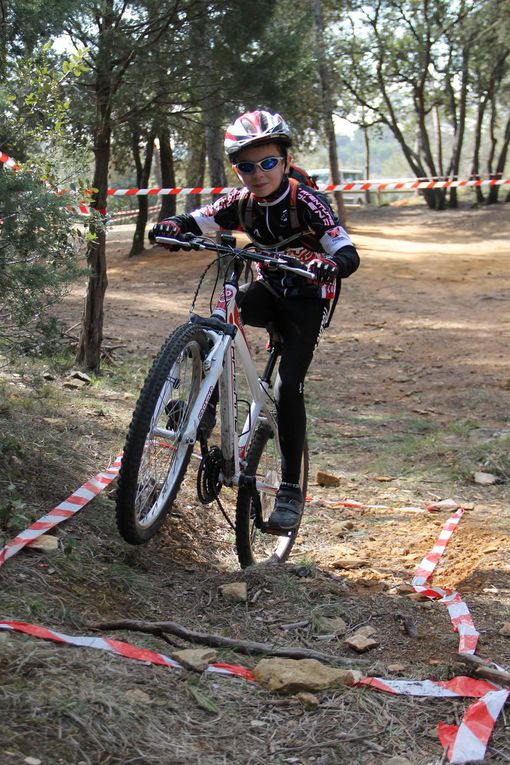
(282, 262)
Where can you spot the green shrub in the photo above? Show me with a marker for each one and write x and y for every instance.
(39, 247)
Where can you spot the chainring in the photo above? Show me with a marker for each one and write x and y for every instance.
(208, 478)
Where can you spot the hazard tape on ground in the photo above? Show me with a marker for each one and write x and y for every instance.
(457, 687)
(457, 609)
(69, 507)
(468, 741)
(464, 743)
(119, 647)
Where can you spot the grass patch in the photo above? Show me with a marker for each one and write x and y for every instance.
(490, 456)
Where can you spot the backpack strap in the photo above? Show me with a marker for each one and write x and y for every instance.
(301, 175)
(246, 216)
(293, 214)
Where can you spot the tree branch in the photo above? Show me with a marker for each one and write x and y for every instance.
(482, 668)
(217, 641)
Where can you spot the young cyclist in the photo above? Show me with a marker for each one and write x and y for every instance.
(281, 214)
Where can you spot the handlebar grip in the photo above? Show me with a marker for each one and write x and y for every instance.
(174, 241)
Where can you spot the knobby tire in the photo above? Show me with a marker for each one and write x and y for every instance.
(253, 546)
(185, 340)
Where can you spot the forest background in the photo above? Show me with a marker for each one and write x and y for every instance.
(96, 93)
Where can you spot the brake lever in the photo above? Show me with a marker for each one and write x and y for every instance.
(287, 263)
(176, 242)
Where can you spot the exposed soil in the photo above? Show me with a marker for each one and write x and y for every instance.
(408, 396)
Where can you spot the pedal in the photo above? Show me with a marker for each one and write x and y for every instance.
(266, 529)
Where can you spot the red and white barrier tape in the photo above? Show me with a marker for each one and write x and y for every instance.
(368, 185)
(417, 184)
(9, 161)
(457, 687)
(119, 647)
(465, 742)
(458, 610)
(468, 741)
(63, 511)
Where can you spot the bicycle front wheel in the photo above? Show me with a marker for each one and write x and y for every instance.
(154, 464)
(263, 461)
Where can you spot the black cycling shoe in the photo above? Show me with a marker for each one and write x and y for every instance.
(288, 508)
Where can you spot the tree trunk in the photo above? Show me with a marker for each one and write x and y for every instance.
(327, 107)
(367, 161)
(142, 181)
(166, 158)
(475, 163)
(500, 165)
(214, 132)
(434, 198)
(439, 140)
(492, 134)
(459, 128)
(91, 333)
(195, 170)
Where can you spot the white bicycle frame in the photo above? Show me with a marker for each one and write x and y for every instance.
(220, 367)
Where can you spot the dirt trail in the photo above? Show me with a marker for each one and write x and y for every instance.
(411, 381)
(408, 396)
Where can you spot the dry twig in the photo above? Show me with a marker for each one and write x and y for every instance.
(325, 744)
(483, 668)
(217, 641)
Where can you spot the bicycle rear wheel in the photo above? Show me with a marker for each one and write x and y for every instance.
(154, 464)
(263, 461)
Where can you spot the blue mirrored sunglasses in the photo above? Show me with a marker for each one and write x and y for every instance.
(266, 164)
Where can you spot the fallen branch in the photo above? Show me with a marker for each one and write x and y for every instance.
(294, 625)
(218, 641)
(342, 739)
(483, 668)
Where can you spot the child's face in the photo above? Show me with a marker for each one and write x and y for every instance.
(261, 182)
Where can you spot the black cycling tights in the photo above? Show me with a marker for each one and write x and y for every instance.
(299, 322)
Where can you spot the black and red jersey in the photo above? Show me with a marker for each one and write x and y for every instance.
(295, 220)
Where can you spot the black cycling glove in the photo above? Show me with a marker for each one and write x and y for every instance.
(169, 228)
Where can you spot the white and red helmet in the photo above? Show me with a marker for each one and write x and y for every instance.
(256, 127)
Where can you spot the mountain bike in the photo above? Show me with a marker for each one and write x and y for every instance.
(198, 364)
